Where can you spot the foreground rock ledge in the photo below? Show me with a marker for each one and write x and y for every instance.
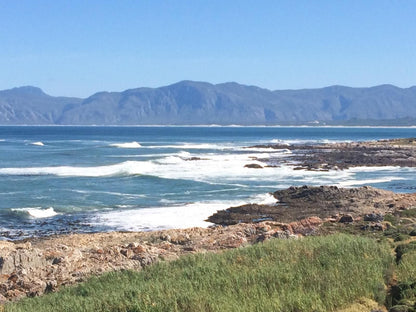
(34, 267)
(297, 203)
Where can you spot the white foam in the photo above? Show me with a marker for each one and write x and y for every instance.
(279, 141)
(124, 168)
(37, 143)
(126, 195)
(275, 152)
(374, 169)
(213, 168)
(368, 181)
(133, 144)
(172, 217)
(36, 212)
(265, 199)
(201, 146)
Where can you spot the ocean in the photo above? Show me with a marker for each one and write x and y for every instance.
(59, 179)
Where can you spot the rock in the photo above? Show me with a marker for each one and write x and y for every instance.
(165, 237)
(374, 217)
(338, 156)
(3, 299)
(145, 260)
(180, 238)
(375, 227)
(297, 203)
(127, 253)
(253, 166)
(346, 219)
(193, 158)
(232, 240)
(138, 249)
(51, 286)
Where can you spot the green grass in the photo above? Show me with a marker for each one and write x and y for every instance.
(406, 269)
(310, 274)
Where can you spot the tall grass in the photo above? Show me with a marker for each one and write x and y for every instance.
(311, 274)
(406, 269)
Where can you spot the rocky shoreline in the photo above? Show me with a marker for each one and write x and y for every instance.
(330, 156)
(36, 266)
(297, 203)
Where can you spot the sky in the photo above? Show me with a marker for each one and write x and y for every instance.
(78, 47)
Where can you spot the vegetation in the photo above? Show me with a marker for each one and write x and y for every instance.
(311, 274)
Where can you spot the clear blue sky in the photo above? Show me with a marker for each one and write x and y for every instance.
(78, 47)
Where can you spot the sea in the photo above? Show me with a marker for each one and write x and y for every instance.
(73, 179)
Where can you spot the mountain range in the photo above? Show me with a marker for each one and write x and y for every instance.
(202, 103)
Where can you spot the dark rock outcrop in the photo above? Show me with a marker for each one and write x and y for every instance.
(335, 156)
(297, 203)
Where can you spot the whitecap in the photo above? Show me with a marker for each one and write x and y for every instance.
(36, 212)
(37, 143)
(133, 144)
(124, 168)
(201, 146)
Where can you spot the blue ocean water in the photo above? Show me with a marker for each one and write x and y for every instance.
(85, 179)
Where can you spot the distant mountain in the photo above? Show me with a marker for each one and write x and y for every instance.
(191, 103)
(30, 105)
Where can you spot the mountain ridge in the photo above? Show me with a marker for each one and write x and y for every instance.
(194, 103)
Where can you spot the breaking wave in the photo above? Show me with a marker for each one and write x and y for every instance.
(133, 144)
(35, 212)
(124, 168)
(37, 143)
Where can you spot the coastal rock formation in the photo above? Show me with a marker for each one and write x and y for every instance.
(297, 203)
(395, 152)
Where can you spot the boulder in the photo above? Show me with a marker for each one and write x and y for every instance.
(346, 219)
(253, 166)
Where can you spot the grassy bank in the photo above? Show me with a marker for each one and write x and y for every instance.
(311, 274)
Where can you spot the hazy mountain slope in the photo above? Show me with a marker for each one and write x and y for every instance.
(190, 102)
(30, 105)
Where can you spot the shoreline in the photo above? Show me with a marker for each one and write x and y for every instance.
(36, 266)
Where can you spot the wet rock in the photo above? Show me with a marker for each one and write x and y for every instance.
(338, 156)
(253, 166)
(297, 203)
